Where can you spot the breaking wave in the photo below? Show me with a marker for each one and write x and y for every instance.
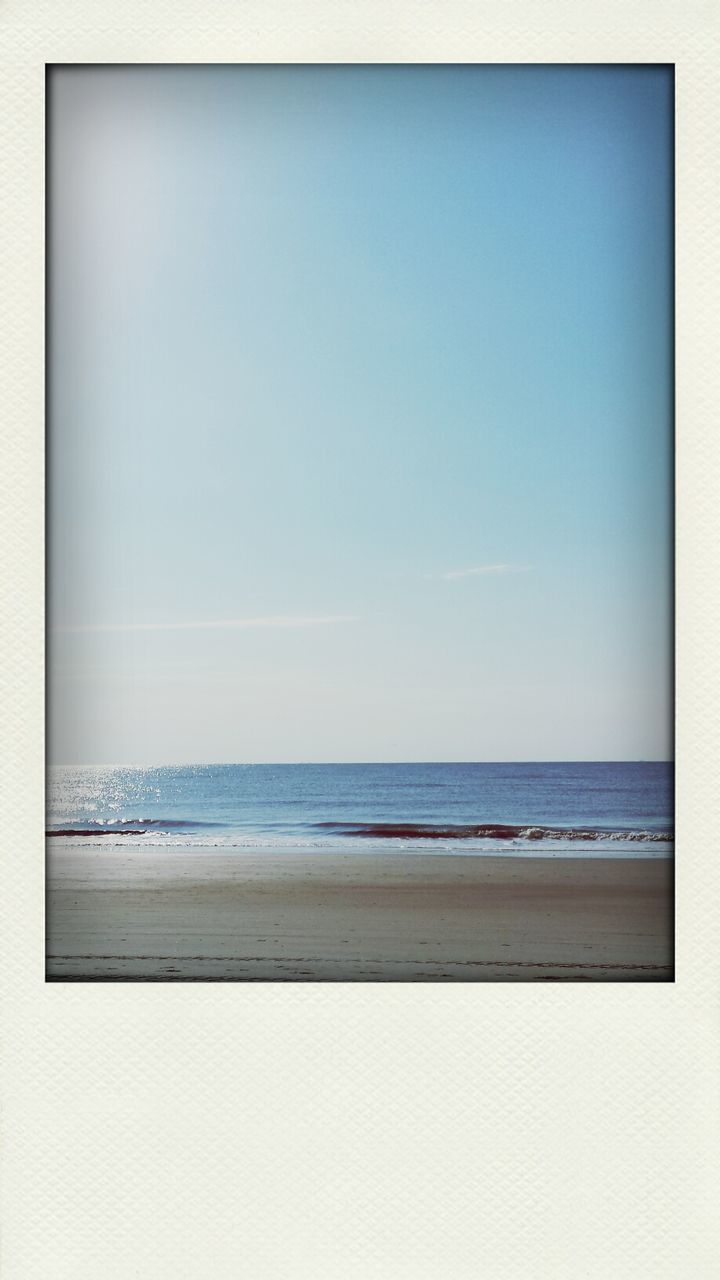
(484, 831)
(126, 826)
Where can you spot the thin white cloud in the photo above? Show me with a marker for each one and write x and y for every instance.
(485, 568)
(225, 624)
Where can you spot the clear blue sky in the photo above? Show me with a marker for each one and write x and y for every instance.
(372, 367)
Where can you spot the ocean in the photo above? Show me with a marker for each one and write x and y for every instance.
(598, 809)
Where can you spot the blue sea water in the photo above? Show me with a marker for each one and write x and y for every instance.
(575, 809)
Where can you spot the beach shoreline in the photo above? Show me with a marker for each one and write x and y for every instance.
(130, 914)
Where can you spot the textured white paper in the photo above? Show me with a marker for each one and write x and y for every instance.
(358, 1132)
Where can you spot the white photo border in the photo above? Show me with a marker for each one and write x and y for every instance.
(369, 1132)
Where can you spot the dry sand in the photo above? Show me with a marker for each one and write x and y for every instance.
(136, 915)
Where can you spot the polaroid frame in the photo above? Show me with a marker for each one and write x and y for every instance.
(359, 1131)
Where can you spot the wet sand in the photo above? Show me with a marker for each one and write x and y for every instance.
(195, 915)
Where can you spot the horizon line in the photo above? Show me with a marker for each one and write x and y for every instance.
(229, 764)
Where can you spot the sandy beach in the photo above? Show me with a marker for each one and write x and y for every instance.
(194, 915)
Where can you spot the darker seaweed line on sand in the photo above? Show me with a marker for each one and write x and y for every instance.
(510, 964)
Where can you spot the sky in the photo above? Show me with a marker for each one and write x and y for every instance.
(359, 413)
